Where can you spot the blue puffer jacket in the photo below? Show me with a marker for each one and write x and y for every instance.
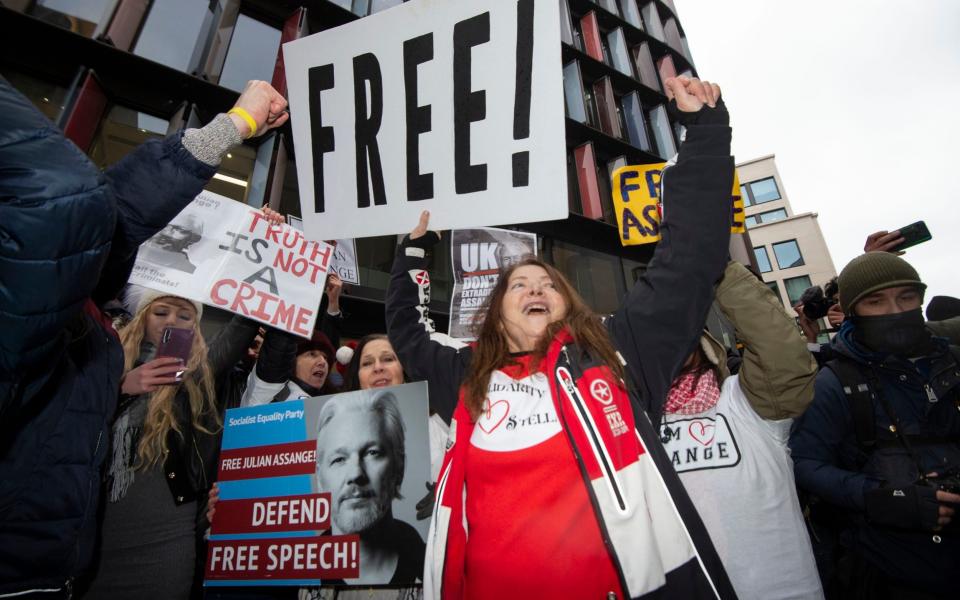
(829, 463)
(68, 238)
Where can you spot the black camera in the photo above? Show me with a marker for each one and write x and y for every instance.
(817, 301)
(948, 481)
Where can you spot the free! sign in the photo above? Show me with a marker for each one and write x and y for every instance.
(452, 107)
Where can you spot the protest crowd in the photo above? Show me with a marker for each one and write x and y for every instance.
(571, 454)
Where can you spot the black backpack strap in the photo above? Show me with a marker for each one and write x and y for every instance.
(856, 387)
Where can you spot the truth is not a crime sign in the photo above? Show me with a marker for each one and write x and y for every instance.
(452, 107)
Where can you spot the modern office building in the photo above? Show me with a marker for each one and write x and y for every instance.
(113, 73)
(789, 248)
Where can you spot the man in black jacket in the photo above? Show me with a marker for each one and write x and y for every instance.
(882, 426)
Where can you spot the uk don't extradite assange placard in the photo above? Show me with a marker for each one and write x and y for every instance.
(222, 253)
(322, 491)
(446, 106)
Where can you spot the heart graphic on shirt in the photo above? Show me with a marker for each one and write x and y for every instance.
(703, 433)
(493, 415)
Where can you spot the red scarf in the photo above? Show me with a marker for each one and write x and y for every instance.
(685, 399)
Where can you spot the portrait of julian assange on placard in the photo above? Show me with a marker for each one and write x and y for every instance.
(373, 459)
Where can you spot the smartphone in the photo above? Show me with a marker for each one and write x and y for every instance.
(176, 343)
(913, 234)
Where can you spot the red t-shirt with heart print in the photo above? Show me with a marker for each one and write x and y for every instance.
(531, 531)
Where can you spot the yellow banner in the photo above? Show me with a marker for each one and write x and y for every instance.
(636, 200)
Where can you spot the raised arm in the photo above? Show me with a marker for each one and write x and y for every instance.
(424, 353)
(778, 372)
(160, 177)
(659, 323)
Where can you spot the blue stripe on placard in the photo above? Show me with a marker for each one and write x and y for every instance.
(261, 582)
(274, 423)
(292, 485)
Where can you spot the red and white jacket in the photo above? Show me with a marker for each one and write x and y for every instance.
(655, 537)
(649, 543)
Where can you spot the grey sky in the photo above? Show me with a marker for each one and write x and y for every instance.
(857, 101)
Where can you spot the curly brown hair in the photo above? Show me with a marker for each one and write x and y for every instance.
(492, 351)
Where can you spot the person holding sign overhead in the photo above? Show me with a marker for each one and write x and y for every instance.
(554, 483)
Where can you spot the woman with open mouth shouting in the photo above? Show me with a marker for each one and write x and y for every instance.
(554, 483)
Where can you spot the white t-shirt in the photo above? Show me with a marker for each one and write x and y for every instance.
(737, 469)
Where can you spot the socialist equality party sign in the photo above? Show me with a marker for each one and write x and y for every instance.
(441, 105)
(225, 254)
(312, 491)
(477, 257)
(637, 202)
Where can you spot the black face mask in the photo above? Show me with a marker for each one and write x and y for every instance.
(904, 334)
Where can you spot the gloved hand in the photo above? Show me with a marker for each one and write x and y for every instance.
(425, 505)
(907, 507)
(695, 102)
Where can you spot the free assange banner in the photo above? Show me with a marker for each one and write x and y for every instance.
(448, 106)
(638, 205)
(220, 252)
(477, 257)
(316, 491)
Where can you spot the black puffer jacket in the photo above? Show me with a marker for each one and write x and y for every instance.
(68, 237)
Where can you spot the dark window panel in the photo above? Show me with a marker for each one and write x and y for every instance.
(660, 124)
(636, 122)
(592, 43)
(598, 277)
(573, 92)
(606, 107)
(795, 287)
(588, 181)
(651, 20)
(252, 53)
(645, 67)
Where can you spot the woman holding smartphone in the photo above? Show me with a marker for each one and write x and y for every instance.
(164, 444)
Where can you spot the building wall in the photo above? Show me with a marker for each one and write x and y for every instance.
(779, 229)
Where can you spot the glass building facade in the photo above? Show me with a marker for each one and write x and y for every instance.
(155, 67)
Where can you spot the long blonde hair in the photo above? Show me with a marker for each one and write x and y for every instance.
(161, 414)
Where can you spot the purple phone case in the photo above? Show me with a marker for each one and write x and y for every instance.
(176, 343)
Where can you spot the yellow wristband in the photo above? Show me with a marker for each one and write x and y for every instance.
(236, 110)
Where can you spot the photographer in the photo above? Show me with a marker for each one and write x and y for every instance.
(816, 303)
(881, 441)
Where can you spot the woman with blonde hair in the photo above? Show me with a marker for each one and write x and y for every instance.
(163, 449)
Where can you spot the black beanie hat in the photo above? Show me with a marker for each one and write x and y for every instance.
(872, 272)
(320, 342)
(942, 308)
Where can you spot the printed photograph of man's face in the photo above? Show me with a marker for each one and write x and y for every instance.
(373, 460)
(360, 459)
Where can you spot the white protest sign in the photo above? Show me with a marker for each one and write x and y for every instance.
(344, 259)
(453, 107)
(225, 254)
